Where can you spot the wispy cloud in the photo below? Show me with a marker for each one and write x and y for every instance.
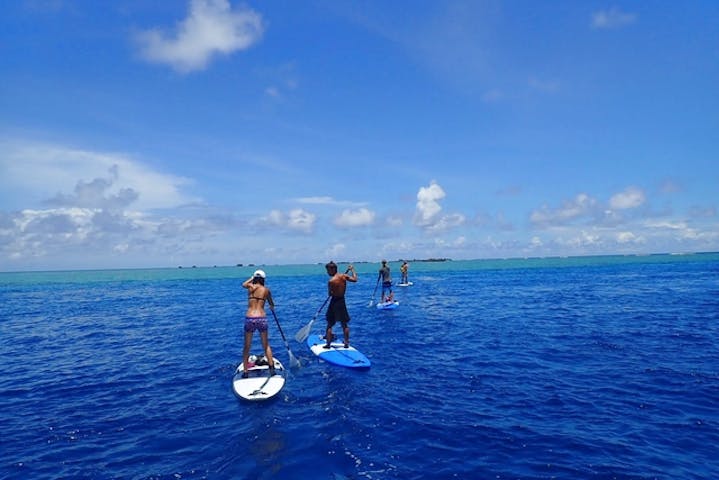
(543, 85)
(212, 27)
(327, 200)
(612, 18)
(579, 206)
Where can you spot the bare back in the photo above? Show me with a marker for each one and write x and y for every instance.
(256, 296)
(337, 285)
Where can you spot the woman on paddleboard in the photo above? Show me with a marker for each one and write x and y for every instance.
(256, 318)
(337, 311)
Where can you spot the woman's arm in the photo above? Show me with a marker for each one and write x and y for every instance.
(270, 300)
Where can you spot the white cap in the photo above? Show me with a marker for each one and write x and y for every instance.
(259, 273)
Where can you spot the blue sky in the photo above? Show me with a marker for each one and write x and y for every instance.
(210, 132)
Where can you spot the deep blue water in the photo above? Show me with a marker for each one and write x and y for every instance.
(594, 371)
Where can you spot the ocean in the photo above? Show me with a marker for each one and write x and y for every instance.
(564, 368)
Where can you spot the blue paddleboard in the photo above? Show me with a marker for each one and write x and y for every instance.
(337, 354)
(387, 305)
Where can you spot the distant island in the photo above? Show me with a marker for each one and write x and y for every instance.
(416, 260)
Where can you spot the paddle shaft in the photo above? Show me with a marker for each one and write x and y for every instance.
(287, 345)
(374, 291)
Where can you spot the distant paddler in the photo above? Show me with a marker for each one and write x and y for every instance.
(386, 275)
(404, 270)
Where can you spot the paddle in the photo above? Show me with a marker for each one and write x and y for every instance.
(304, 332)
(371, 302)
(293, 361)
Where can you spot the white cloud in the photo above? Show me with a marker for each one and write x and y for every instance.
(355, 218)
(628, 237)
(336, 250)
(326, 200)
(42, 171)
(456, 244)
(296, 219)
(428, 212)
(212, 27)
(394, 221)
(275, 217)
(428, 207)
(577, 207)
(299, 219)
(612, 18)
(632, 197)
(447, 222)
(582, 239)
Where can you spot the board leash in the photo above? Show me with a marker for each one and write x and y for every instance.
(259, 390)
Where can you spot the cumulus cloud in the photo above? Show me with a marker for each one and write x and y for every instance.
(296, 219)
(355, 218)
(40, 171)
(119, 207)
(535, 242)
(632, 197)
(612, 18)
(93, 194)
(428, 212)
(428, 207)
(212, 27)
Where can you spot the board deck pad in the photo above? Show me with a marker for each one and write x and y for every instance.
(337, 354)
(259, 385)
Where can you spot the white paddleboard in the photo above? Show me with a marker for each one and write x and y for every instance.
(387, 305)
(259, 385)
(407, 284)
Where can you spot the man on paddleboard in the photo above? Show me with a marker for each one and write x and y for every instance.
(404, 269)
(386, 275)
(337, 311)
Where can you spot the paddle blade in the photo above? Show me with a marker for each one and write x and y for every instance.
(294, 363)
(304, 332)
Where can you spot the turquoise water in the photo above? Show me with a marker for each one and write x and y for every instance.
(595, 367)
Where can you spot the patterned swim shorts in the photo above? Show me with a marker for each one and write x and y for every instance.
(255, 323)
